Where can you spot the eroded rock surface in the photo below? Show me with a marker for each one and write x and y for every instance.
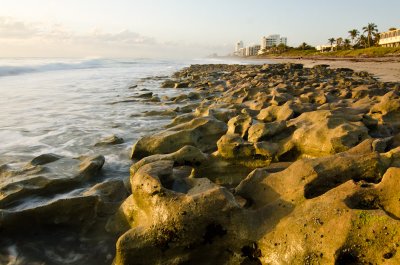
(273, 164)
(51, 198)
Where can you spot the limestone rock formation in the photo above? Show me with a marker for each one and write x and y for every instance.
(276, 164)
(202, 132)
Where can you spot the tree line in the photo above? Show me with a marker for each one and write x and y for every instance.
(368, 37)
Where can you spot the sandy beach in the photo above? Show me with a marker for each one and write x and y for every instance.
(386, 69)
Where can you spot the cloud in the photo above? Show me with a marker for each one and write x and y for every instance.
(125, 36)
(18, 30)
(19, 38)
(12, 29)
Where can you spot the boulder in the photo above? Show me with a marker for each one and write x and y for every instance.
(164, 218)
(187, 155)
(202, 132)
(262, 131)
(168, 84)
(44, 159)
(239, 125)
(110, 195)
(181, 85)
(79, 211)
(276, 113)
(232, 146)
(110, 140)
(46, 179)
(323, 132)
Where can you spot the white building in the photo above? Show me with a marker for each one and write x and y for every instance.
(238, 46)
(390, 38)
(252, 50)
(272, 40)
(325, 47)
(241, 52)
(283, 40)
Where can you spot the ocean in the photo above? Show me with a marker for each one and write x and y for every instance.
(64, 106)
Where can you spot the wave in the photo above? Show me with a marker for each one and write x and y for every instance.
(19, 67)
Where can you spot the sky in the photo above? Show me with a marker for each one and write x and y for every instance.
(177, 28)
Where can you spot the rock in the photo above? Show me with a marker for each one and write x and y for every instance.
(262, 131)
(321, 132)
(181, 85)
(202, 132)
(187, 155)
(154, 99)
(168, 84)
(110, 195)
(276, 113)
(306, 153)
(321, 66)
(44, 159)
(233, 146)
(267, 149)
(110, 140)
(165, 213)
(179, 98)
(239, 125)
(222, 114)
(197, 213)
(51, 178)
(145, 95)
(194, 95)
(166, 113)
(76, 211)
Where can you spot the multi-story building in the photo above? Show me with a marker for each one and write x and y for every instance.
(266, 42)
(272, 40)
(283, 40)
(252, 50)
(241, 52)
(390, 38)
(238, 46)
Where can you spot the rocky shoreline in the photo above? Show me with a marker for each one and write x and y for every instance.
(269, 164)
(261, 164)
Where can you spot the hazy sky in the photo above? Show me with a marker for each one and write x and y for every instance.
(170, 28)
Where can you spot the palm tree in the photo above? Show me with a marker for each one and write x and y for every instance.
(339, 42)
(370, 29)
(377, 37)
(362, 41)
(347, 43)
(331, 41)
(353, 34)
(303, 46)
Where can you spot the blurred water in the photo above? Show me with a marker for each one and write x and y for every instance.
(64, 106)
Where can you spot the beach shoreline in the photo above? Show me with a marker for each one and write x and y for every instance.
(387, 69)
